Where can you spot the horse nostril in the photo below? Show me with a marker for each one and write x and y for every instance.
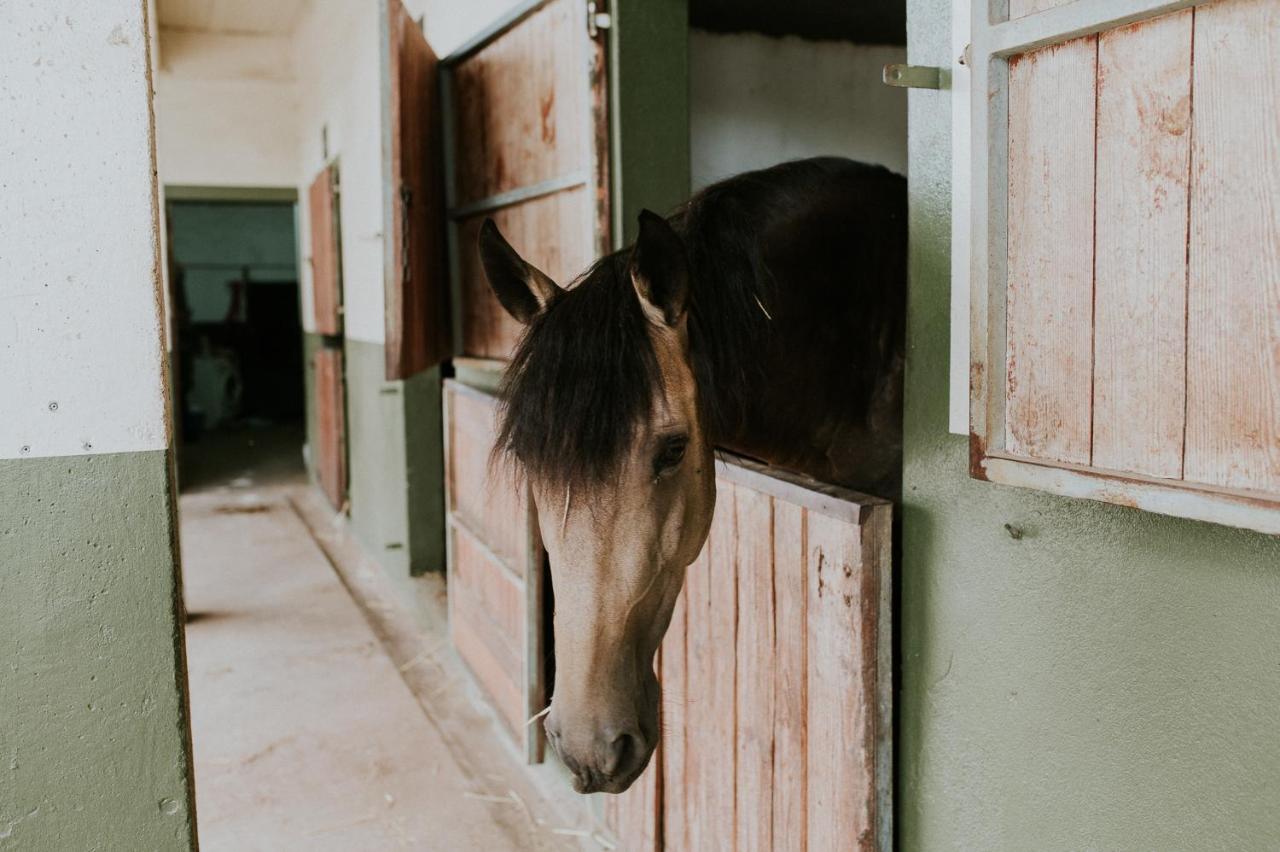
(621, 754)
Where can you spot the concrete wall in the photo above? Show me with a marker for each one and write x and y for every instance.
(757, 100)
(1106, 681)
(94, 742)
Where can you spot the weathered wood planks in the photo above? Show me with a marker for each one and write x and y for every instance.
(1050, 287)
(529, 136)
(326, 271)
(1233, 324)
(331, 425)
(417, 318)
(1142, 296)
(775, 674)
(496, 566)
(1143, 152)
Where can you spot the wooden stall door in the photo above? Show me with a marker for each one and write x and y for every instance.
(496, 569)
(526, 142)
(1126, 321)
(776, 679)
(327, 362)
(418, 321)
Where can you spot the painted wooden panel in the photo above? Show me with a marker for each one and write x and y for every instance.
(326, 267)
(775, 674)
(331, 426)
(1050, 286)
(675, 722)
(1233, 323)
(549, 232)
(486, 496)
(418, 321)
(790, 694)
(1143, 162)
(522, 113)
(755, 676)
(495, 570)
(841, 695)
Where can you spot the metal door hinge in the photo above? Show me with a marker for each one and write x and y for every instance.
(913, 76)
(596, 19)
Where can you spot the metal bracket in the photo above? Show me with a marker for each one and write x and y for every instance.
(596, 19)
(913, 76)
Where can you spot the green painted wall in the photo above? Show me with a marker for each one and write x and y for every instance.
(93, 720)
(395, 462)
(1111, 680)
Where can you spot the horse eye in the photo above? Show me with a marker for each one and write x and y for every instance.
(670, 454)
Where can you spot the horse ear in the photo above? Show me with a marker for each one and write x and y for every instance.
(659, 269)
(522, 288)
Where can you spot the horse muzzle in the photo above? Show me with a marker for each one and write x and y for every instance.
(603, 758)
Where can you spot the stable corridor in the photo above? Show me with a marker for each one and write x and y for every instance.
(305, 733)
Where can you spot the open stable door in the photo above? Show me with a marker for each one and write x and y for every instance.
(525, 141)
(330, 452)
(418, 321)
(496, 568)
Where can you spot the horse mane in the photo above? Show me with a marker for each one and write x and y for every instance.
(583, 377)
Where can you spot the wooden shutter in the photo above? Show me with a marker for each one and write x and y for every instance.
(526, 144)
(418, 324)
(776, 675)
(326, 266)
(331, 425)
(1126, 253)
(496, 568)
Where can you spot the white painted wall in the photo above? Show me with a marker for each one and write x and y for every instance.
(338, 68)
(757, 100)
(80, 341)
(226, 110)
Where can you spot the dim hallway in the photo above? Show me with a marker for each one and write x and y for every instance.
(305, 732)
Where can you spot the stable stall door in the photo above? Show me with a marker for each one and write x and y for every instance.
(330, 450)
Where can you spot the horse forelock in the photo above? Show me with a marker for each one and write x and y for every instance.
(581, 382)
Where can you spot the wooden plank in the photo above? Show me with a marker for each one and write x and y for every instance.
(841, 689)
(490, 499)
(1052, 94)
(790, 575)
(486, 664)
(710, 751)
(1233, 324)
(521, 100)
(548, 232)
(675, 721)
(418, 326)
(492, 590)
(633, 816)
(326, 271)
(754, 663)
(1143, 161)
(331, 426)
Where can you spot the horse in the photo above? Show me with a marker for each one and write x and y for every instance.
(765, 316)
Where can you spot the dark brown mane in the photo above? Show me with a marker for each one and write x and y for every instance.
(583, 376)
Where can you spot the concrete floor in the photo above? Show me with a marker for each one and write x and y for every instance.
(305, 733)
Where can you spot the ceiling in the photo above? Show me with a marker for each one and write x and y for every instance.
(861, 21)
(257, 17)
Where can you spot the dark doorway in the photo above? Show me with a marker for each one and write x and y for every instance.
(237, 339)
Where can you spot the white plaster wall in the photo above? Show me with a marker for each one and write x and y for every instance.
(756, 101)
(80, 338)
(226, 110)
(338, 68)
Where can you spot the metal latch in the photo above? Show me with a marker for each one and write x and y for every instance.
(913, 76)
(597, 20)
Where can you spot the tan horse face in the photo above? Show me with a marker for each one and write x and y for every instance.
(619, 547)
